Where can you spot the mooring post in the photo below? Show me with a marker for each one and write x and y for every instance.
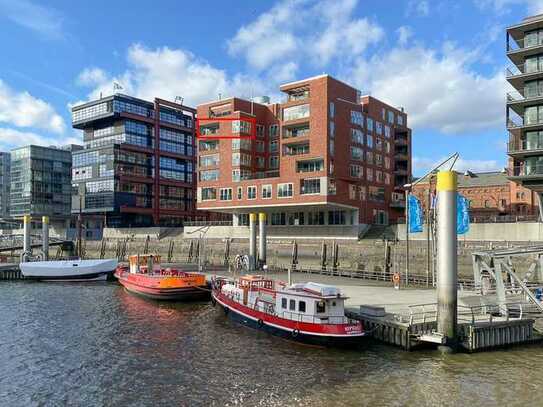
(45, 237)
(27, 246)
(323, 256)
(252, 241)
(262, 238)
(447, 264)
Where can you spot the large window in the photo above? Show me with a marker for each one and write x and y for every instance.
(241, 159)
(210, 175)
(274, 162)
(91, 111)
(357, 136)
(241, 126)
(533, 115)
(241, 144)
(336, 217)
(310, 186)
(357, 153)
(357, 118)
(284, 190)
(296, 149)
(299, 131)
(309, 166)
(355, 170)
(225, 194)
(209, 160)
(266, 191)
(274, 130)
(209, 194)
(251, 192)
(296, 112)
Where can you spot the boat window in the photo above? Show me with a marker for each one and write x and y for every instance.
(301, 306)
(284, 303)
(333, 303)
(292, 305)
(321, 307)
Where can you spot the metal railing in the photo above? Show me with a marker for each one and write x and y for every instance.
(208, 223)
(504, 219)
(516, 145)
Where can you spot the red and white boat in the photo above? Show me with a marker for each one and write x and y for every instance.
(306, 312)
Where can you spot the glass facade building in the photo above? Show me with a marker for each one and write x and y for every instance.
(41, 182)
(137, 168)
(5, 169)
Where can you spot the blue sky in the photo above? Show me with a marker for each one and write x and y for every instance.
(442, 60)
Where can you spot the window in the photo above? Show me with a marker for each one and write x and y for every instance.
(352, 191)
(332, 187)
(241, 126)
(311, 186)
(240, 192)
(379, 128)
(209, 194)
(266, 191)
(298, 131)
(390, 117)
(241, 144)
(315, 218)
(284, 303)
(332, 110)
(239, 175)
(251, 192)
(209, 160)
(370, 124)
(274, 146)
(292, 305)
(331, 145)
(296, 149)
(357, 136)
(336, 217)
(369, 174)
(387, 132)
(301, 306)
(378, 159)
(400, 120)
(284, 190)
(259, 130)
(260, 146)
(369, 141)
(274, 130)
(260, 162)
(320, 307)
(309, 166)
(369, 157)
(378, 143)
(209, 175)
(241, 159)
(225, 194)
(355, 170)
(357, 118)
(332, 129)
(274, 162)
(296, 112)
(357, 153)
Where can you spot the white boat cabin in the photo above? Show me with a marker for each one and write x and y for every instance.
(304, 302)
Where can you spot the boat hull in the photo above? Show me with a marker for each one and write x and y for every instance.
(146, 287)
(71, 270)
(264, 323)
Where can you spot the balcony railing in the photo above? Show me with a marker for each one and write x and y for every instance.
(526, 68)
(524, 43)
(524, 95)
(533, 144)
(526, 170)
(401, 157)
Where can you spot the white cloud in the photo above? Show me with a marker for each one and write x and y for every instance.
(404, 34)
(167, 73)
(297, 30)
(11, 138)
(423, 164)
(419, 8)
(21, 109)
(438, 89)
(43, 20)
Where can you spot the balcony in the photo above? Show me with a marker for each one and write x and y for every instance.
(296, 149)
(519, 148)
(400, 171)
(516, 75)
(401, 140)
(519, 100)
(519, 49)
(530, 175)
(397, 203)
(401, 157)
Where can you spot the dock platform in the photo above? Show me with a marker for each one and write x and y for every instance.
(10, 271)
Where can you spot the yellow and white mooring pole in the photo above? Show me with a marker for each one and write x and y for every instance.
(252, 241)
(27, 247)
(45, 237)
(262, 238)
(447, 277)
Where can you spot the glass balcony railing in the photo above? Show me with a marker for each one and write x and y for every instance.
(526, 94)
(524, 43)
(526, 68)
(532, 144)
(527, 170)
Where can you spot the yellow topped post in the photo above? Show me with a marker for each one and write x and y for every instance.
(262, 238)
(447, 264)
(45, 237)
(27, 248)
(252, 241)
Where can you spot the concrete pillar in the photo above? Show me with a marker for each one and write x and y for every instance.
(447, 279)
(252, 241)
(27, 247)
(262, 248)
(45, 237)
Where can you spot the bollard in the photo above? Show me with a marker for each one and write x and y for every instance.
(252, 241)
(262, 238)
(447, 279)
(27, 247)
(45, 237)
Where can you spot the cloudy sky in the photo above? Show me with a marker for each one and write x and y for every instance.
(443, 61)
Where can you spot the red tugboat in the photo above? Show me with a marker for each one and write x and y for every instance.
(308, 312)
(145, 277)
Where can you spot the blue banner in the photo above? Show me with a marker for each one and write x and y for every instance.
(462, 214)
(414, 209)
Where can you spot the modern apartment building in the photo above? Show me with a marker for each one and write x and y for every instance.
(41, 182)
(5, 169)
(525, 103)
(138, 165)
(326, 156)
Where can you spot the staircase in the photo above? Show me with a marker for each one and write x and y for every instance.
(378, 232)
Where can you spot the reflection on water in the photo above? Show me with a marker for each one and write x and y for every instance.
(96, 344)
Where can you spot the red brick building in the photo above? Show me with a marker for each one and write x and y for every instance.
(491, 195)
(326, 156)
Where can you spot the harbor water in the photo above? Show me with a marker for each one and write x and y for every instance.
(95, 344)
